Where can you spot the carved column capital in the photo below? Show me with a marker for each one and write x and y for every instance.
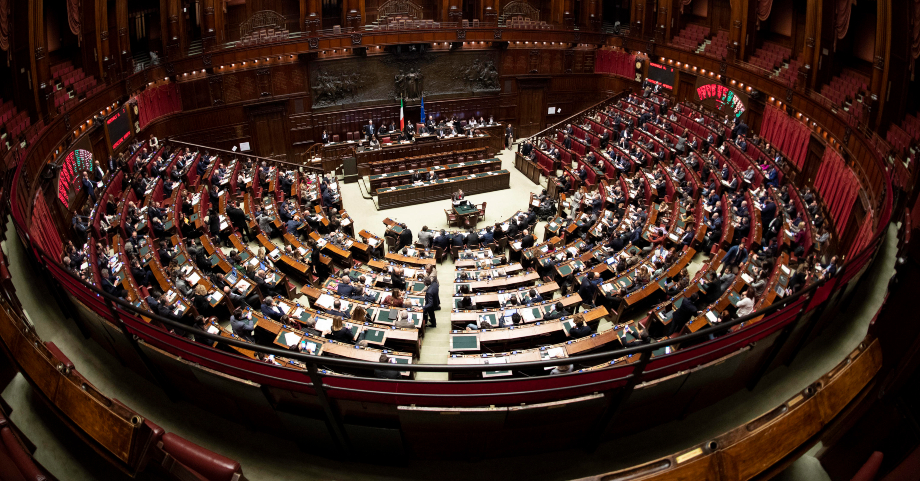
(879, 63)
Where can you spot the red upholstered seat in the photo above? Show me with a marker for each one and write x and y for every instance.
(207, 463)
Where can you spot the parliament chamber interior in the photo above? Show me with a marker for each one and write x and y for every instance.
(673, 236)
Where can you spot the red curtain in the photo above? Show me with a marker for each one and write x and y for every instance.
(838, 187)
(786, 134)
(915, 28)
(43, 230)
(73, 16)
(863, 237)
(617, 63)
(763, 9)
(157, 102)
(842, 10)
(5, 25)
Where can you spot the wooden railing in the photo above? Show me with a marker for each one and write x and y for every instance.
(232, 154)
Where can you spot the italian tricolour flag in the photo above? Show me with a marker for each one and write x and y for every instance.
(402, 118)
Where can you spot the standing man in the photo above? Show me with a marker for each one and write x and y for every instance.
(369, 129)
(431, 302)
(509, 136)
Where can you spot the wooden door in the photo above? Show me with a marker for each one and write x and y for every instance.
(530, 106)
(268, 133)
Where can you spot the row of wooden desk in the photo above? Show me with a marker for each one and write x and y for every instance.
(442, 189)
(421, 146)
(445, 171)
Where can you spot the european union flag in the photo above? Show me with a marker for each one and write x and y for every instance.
(423, 110)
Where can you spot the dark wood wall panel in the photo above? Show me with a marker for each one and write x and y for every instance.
(224, 109)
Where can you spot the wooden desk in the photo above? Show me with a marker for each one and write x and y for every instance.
(443, 171)
(442, 189)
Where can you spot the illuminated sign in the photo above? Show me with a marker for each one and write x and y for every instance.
(661, 75)
(726, 100)
(76, 162)
(119, 128)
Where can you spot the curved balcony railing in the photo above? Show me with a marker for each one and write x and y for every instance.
(802, 311)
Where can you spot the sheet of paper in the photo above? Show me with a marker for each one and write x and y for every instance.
(291, 338)
(325, 301)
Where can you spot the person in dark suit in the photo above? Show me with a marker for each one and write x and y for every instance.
(405, 237)
(581, 328)
(558, 312)
(270, 310)
(457, 240)
(567, 142)
(431, 302)
(242, 324)
(684, 313)
(588, 288)
(386, 373)
(442, 241)
(237, 216)
(328, 198)
(340, 332)
(369, 129)
(326, 137)
(111, 284)
(472, 239)
(528, 240)
(345, 289)
(88, 187)
(604, 139)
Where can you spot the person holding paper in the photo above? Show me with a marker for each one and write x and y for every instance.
(340, 332)
(271, 311)
(746, 305)
(242, 324)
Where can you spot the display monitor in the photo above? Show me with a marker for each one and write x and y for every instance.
(72, 167)
(118, 127)
(661, 75)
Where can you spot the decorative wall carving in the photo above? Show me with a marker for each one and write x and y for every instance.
(313, 42)
(259, 20)
(517, 8)
(401, 8)
(480, 76)
(333, 89)
(879, 62)
(410, 75)
(497, 34)
(461, 34)
(356, 39)
(408, 85)
(206, 60)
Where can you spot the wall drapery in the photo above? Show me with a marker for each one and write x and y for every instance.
(842, 10)
(838, 187)
(915, 28)
(786, 134)
(615, 62)
(73, 16)
(157, 102)
(763, 9)
(5, 25)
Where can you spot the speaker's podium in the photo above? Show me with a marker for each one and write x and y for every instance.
(350, 166)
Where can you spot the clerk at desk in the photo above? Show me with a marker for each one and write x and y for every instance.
(458, 199)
